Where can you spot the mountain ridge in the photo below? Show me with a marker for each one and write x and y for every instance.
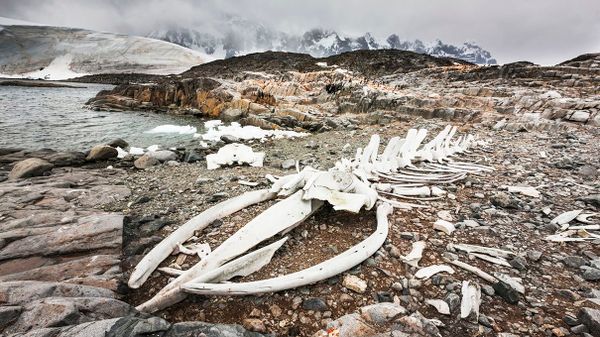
(249, 38)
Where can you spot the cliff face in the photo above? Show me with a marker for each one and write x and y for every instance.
(276, 89)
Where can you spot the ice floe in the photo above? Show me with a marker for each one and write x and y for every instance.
(169, 128)
(215, 129)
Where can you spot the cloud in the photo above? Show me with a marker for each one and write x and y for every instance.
(542, 31)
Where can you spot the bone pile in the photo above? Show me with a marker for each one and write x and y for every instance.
(406, 169)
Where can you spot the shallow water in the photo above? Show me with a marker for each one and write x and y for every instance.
(35, 118)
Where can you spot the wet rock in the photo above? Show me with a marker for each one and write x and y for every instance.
(354, 283)
(591, 318)
(145, 162)
(102, 152)
(315, 304)
(30, 168)
(118, 142)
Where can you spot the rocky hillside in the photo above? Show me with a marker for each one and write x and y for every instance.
(243, 37)
(61, 53)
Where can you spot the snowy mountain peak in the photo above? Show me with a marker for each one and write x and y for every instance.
(248, 37)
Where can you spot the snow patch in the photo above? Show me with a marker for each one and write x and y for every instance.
(215, 129)
(168, 128)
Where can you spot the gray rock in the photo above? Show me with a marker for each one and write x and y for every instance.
(8, 314)
(162, 155)
(453, 301)
(231, 115)
(315, 303)
(592, 199)
(534, 255)
(192, 156)
(591, 318)
(504, 200)
(30, 168)
(574, 261)
(591, 274)
(23, 292)
(519, 263)
(382, 313)
(228, 139)
(102, 152)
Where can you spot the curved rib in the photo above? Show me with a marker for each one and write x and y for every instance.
(161, 251)
(321, 271)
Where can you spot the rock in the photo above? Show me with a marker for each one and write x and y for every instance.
(591, 274)
(118, 142)
(506, 292)
(231, 115)
(574, 261)
(30, 168)
(254, 324)
(534, 255)
(351, 325)
(288, 164)
(8, 314)
(384, 296)
(453, 301)
(201, 329)
(315, 304)
(228, 139)
(381, 313)
(591, 318)
(592, 199)
(354, 283)
(145, 162)
(519, 263)
(23, 292)
(504, 200)
(162, 155)
(192, 156)
(102, 152)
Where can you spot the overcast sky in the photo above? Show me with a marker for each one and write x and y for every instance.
(542, 31)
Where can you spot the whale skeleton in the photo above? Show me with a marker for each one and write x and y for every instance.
(405, 169)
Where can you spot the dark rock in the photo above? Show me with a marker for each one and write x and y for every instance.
(315, 303)
(217, 197)
(504, 200)
(228, 139)
(506, 292)
(453, 301)
(574, 261)
(8, 314)
(118, 142)
(592, 199)
(519, 263)
(384, 296)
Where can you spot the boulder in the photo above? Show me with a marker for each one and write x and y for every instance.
(591, 318)
(102, 152)
(118, 142)
(30, 168)
(162, 155)
(231, 115)
(145, 162)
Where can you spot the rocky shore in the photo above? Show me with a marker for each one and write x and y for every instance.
(74, 224)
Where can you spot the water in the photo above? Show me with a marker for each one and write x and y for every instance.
(35, 118)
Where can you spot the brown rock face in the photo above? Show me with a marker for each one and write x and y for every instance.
(145, 162)
(30, 168)
(102, 152)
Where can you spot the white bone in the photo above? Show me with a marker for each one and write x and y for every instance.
(161, 251)
(170, 271)
(583, 217)
(336, 265)
(444, 226)
(427, 272)
(474, 270)
(485, 250)
(234, 154)
(496, 260)
(440, 305)
(415, 254)
(471, 299)
(566, 217)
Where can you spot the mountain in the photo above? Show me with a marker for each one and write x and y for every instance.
(242, 37)
(35, 51)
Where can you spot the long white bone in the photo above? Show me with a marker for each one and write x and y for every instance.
(334, 266)
(161, 251)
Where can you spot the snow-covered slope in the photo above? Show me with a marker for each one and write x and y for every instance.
(243, 37)
(59, 53)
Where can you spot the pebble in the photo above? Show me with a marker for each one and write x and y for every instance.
(354, 283)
